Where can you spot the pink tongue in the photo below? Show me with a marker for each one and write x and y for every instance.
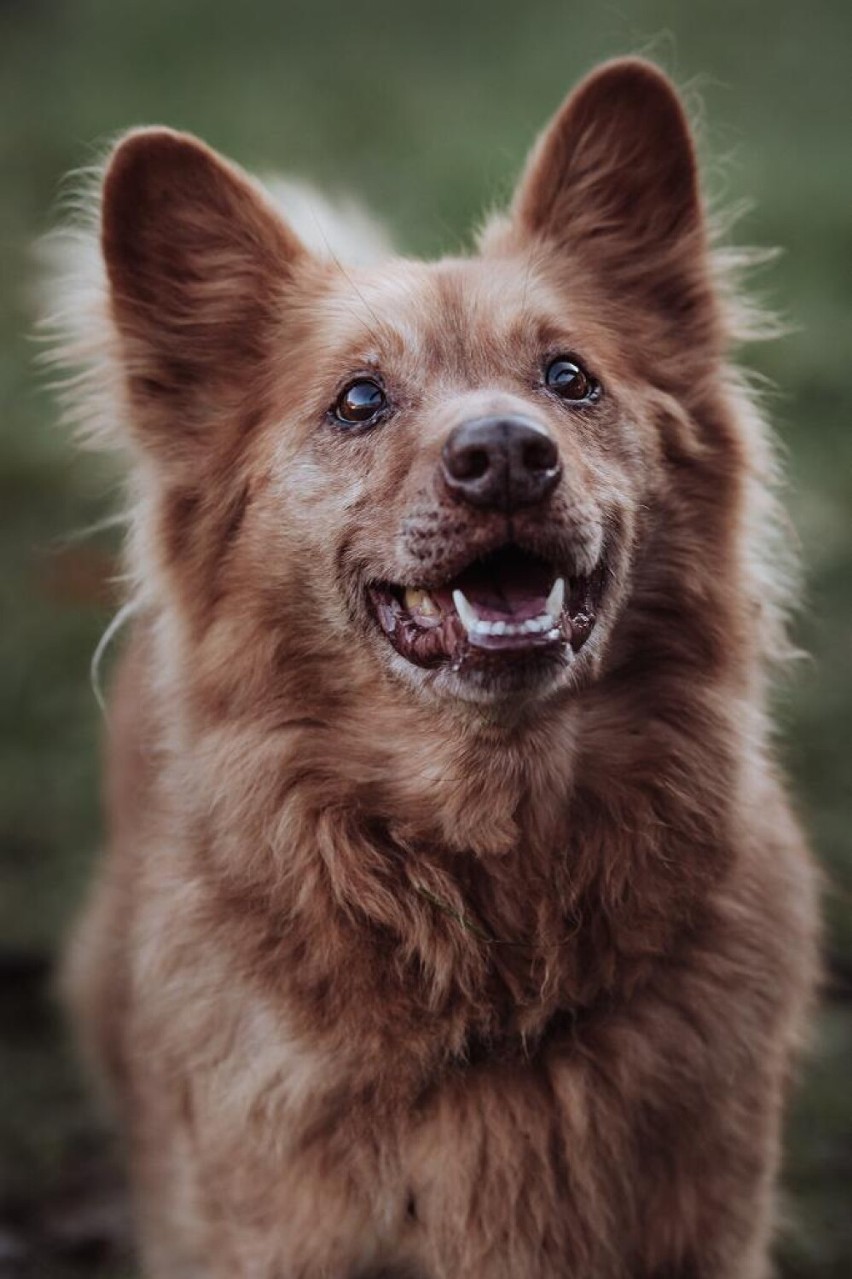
(506, 585)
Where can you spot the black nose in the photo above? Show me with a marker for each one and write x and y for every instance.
(500, 463)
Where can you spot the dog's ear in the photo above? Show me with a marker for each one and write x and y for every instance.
(198, 265)
(613, 181)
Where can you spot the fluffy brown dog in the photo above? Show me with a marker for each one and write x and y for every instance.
(455, 924)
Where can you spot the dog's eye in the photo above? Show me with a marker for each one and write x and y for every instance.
(360, 403)
(570, 381)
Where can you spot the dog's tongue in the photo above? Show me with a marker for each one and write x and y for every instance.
(506, 585)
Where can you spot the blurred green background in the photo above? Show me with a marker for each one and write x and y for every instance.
(426, 112)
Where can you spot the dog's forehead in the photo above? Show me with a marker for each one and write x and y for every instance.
(441, 314)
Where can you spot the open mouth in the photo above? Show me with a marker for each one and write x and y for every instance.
(510, 604)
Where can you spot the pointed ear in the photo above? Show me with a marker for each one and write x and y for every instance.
(198, 264)
(613, 182)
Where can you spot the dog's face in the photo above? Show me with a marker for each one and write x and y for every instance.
(470, 467)
(442, 472)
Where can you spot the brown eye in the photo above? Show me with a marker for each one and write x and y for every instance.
(360, 403)
(570, 381)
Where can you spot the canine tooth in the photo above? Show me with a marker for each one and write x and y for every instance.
(466, 612)
(556, 599)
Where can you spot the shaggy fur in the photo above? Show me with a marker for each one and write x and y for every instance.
(445, 974)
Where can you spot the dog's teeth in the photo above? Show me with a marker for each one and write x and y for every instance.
(475, 625)
(556, 599)
(420, 602)
(466, 612)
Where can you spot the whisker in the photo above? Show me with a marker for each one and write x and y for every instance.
(122, 616)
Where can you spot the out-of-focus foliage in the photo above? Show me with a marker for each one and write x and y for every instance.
(425, 111)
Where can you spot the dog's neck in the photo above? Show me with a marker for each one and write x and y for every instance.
(494, 869)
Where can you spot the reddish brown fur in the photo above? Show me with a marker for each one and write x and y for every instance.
(394, 976)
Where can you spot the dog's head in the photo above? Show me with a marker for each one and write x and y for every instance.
(443, 476)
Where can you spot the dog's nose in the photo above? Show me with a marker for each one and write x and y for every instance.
(500, 463)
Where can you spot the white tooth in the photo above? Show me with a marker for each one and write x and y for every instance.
(466, 612)
(499, 628)
(556, 599)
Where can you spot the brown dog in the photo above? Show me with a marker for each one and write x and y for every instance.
(455, 924)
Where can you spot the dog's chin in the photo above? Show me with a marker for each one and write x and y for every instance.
(508, 626)
(503, 689)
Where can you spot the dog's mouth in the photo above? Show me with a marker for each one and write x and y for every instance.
(508, 605)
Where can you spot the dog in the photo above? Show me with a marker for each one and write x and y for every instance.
(455, 922)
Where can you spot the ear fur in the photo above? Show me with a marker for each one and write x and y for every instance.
(613, 184)
(198, 263)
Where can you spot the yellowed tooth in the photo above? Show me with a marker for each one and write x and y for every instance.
(420, 601)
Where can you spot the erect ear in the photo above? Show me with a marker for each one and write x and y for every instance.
(613, 181)
(198, 265)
